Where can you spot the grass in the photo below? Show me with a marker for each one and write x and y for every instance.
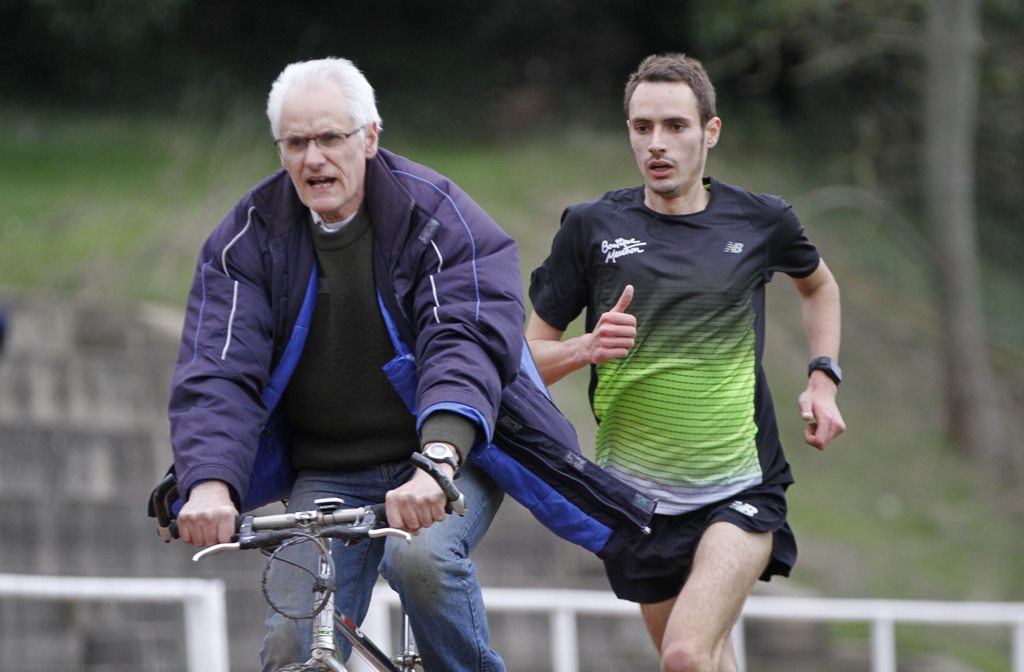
(115, 209)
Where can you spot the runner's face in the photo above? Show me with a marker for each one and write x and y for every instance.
(669, 143)
(330, 181)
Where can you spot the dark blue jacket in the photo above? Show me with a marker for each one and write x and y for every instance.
(449, 288)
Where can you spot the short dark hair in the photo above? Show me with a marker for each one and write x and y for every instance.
(675, 67)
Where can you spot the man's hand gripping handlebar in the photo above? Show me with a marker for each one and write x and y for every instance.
(456, 501)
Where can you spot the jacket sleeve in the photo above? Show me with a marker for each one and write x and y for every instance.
(468, 311)
(216, 411)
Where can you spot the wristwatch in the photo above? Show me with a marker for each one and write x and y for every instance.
(441, 452)
(830, 368)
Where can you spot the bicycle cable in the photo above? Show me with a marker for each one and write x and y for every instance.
(286, 558)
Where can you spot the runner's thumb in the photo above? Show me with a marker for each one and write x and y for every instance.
(623, 303)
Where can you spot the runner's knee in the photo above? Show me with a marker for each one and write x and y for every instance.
(685, 656)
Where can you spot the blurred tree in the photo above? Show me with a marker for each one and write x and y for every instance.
(462, 64)
(66, 52)
(896, 83)
(950, 116)
(846, 75)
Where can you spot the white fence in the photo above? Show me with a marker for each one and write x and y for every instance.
(206, 631)
(883, 615)
(563, 607)
(206, 623)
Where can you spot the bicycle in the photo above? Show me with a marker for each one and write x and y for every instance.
(277, 532)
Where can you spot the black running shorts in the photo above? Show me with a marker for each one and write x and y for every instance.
(655, 568)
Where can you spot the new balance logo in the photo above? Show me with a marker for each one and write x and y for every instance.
(733, 248)
(748, 510)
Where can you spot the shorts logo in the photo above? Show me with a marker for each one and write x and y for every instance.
(748, 510)
(620, 247)
(733, 247)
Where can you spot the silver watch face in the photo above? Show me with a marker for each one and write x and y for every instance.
(439, 451)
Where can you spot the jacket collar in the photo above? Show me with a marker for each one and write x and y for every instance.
(387, 201)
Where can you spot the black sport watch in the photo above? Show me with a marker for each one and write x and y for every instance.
(830, 368)
(441, 452)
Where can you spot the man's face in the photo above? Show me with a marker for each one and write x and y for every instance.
(669, 143)
(330, 181)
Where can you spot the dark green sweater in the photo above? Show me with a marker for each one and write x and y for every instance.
(342, 411)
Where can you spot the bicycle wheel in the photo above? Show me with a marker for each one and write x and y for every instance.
(297, 562)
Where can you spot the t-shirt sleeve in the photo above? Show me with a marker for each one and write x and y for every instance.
(789, 250)
(558, 286)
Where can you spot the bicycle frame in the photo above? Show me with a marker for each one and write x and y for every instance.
(329, 618)
(323, 650)
(329, 521)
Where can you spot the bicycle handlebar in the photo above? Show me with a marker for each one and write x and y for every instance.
(349, 524)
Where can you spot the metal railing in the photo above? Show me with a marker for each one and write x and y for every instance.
(563, 607)
(883, 615)
(207, 637)
(206, 631)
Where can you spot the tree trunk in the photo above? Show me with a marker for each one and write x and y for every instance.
(951, 103)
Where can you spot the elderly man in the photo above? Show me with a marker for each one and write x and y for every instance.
(311, 299)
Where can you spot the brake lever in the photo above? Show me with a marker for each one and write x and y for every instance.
(389, 532)
(216, 549)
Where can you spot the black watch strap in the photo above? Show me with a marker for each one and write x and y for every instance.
(828, 365)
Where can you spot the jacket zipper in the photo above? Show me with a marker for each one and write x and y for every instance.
(533, 458)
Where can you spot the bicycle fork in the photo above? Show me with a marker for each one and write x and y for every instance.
(409, 659)
(324, 652)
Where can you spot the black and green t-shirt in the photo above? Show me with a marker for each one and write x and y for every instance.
(687, 416)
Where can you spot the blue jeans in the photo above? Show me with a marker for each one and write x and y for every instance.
(433, 574)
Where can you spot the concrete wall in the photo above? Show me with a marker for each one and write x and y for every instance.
(83, 438)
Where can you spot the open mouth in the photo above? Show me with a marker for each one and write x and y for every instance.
(659, 167)
(320, 182)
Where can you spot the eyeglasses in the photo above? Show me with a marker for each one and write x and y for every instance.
(295, 145)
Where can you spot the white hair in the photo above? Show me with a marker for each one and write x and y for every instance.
(358, 93)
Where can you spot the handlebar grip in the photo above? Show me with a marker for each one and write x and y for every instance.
(345, 532)
(161, 506)
(172, 528)
(380, 512)
(456, 500)
(265, 539)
